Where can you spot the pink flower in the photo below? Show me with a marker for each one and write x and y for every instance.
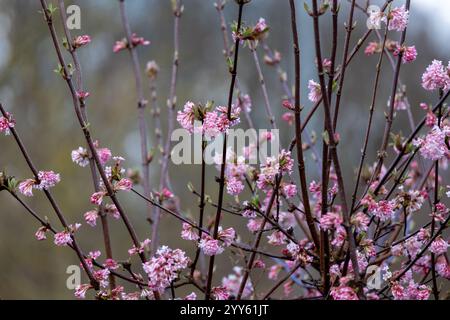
(289, 117)
(210, 246)
(254, 225)
(120, 45)
(331, 220)
(47, 179)
(371, 49)
(274, 271)
(80, 290)
(443, 267)
(80, 157)
(102, 277)
(398, 19)
(81, 41)
(186, 117)
(123, 184)
(91, 217)
(277, 238)
(142, 247)
(343, 293)
(6, 123)
(83, 95)
(136, 41)
(433, 147)
(384, 210)
(188, 233)
(191, 296)
(244, 102)
(315, 92)
(97, 198)
(261, 26)
(41, 233)
(227, 236)
(290, 190)
(164, 267)
(104, 155)
(435, 77)
(164, 195)
(220, 293)
(409, 53)
(234, 186)
(111, 264)
(439, 246)
(111, 210)
(360, 221)
(26, 187)
(63, 238)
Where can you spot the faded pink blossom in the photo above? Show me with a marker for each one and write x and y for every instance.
(47, 179)
(41, 233)
(26, 187)
(97, 197)
(80, 290)
(435, 77)
(210, 246)
(439, 246)
(91, 217)
(315, 91)
(80, 156)
(189, 233)
(63, 238)
(220, 293)
(123, 184)
(81, 41)
(398, 19)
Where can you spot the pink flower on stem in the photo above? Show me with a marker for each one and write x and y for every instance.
(142, 247)
(6, 123)
(343, 293)
(41, 233)
(47, 179)
(277, 238)
(331, 220)
(164, 267)
(136, 41)
(315, 92)
(234, 186)
(439, 246)
(63, 238)
(26, 187)
(227, 236)
(289, 117)
(80, 156)
(111, 264)
(433, 147)
(220, 293)
(290, 190)
(123, 184)
(80, 290)
(398, 19)
(409, 54)
(91, 217)
(97, 197)
(81, 41)
(104, 155)
(188, 233)
(186, 117)
(436, 77)
(210, 246)
(164, 194)
(384, 209)
(371, 48)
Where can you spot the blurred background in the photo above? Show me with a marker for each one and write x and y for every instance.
(41, 104)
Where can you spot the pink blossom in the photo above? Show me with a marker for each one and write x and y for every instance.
(244, 102)
(435, 77)
(120, 45)
(104, 155)
(409, 53)
(234, 186)
(142, 247)
(123, 184)
(210, 246)
(81, 41)
(80, 156)
(47, 179)
(384, 210)
(398, 19)
(331, 220)
(164, 267)
(277, 238)
(315, 91)
(186, 117)
(254, 225)
(91, 217)
(261, 26)
(371, 49)
(443, 267)
(102, 276)
(6, 123)
(41, 233)
(80, 290)
(220, 293)
(289, 117)
(227, 236)
(111, 264)
(274, 271)
(433, 147)
(439, 246)
(290, 190)
(63, 238)
(164, 194)
(191, 296)
(343, 293)
(360, 221)
(136, 41)
(26, 187)
(97, 197)
(111, 210)
(188, 233)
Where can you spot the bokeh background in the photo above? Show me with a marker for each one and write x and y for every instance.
(40, 101)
